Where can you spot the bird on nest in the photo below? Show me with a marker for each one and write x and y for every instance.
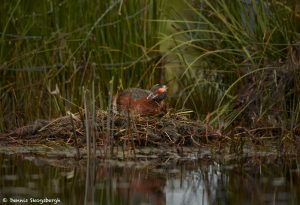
(140, 101)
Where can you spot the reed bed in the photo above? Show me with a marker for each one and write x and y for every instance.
(50, 50)
(239, 63)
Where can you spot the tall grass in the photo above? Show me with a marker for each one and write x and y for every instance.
(237, 62)
(49, 50)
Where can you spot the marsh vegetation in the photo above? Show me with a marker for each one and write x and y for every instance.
(229, 136)
(235, 65)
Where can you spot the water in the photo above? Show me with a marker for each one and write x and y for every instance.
(260, 180)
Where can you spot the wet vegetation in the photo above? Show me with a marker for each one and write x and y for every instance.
(235, 65)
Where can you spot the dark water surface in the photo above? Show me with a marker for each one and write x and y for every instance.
(32, 179)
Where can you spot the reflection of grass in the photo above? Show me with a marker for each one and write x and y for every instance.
(50, 50)
(247, 179)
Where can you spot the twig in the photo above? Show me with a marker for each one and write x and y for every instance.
(75, 137)
(109, 134)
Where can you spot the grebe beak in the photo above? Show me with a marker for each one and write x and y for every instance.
(163, 89)
(159, 91)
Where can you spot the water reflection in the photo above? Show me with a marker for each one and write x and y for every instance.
(202, 181)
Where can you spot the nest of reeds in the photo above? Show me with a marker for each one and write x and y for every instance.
(170, 129)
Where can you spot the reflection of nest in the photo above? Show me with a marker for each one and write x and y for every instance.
(170, 129)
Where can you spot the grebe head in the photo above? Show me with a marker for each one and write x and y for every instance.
(158, 92)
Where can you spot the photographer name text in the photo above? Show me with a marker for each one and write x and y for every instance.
(44, 200)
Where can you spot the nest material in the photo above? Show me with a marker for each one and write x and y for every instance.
(170, 129)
